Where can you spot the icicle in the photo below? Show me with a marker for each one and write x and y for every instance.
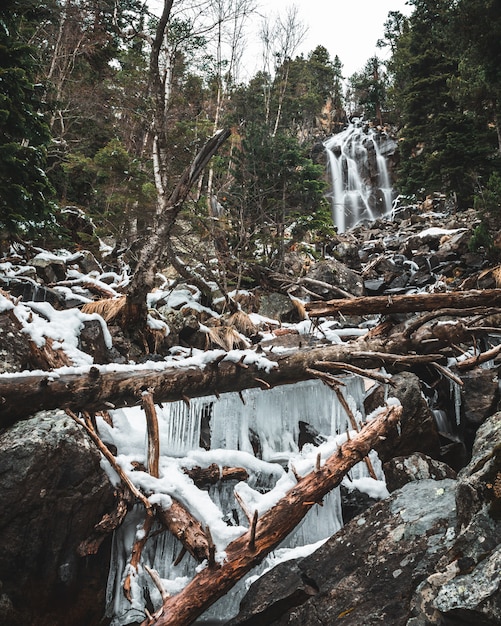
(266, 425)
(455, 391)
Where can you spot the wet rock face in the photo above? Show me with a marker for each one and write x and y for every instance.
(52, 493)
(365, 573)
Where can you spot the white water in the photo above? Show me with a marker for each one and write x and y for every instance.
(266, 423)
(361, 186)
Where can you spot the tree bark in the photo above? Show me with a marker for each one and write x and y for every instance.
(268, 531)
(396, 346)
(410, 303)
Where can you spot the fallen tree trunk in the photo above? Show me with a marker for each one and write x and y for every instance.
(24, 395)
(408, 303)
(268, 531)
(395, 346)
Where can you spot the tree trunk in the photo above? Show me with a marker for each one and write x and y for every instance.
(95, 391)
(412, 303)
(135, 309)
(266, 533)
(395, 346)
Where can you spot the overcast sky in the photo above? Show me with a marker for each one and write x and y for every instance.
(348, 28)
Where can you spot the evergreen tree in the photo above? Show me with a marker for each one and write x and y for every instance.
(25, 192)
(442, 145)
(267, 205)
(368, 91)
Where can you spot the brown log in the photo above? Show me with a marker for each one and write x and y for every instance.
(409, 303)
(96, 390)
(250, 549)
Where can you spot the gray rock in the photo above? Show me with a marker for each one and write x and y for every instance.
(479, 398)
(52, 493)
(418, 427)
(404, 469)
(466, 587)
(334, 273)
(49, 270)
(366, 573)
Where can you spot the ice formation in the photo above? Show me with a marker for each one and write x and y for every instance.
(258, 430)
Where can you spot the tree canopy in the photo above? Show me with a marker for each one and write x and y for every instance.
(78, 98)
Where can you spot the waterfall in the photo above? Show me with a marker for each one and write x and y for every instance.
(360, 182)
(263, 431)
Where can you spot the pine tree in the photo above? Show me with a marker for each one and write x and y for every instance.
(25, 192)
(445, 145)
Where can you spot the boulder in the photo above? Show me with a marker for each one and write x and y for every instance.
(466, 587)
(52, 493)
(403, 469)
(364, 574)
(479, 398)
(429, 555)
(49, 268)
(334, 273)
(418, 427)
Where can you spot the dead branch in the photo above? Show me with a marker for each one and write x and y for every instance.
(482, 357)
(203, 476)
(346, 367)
(250, 549)
(331, 382)
(177, 518)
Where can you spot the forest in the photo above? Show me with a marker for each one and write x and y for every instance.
(169, 247)
(104, 105)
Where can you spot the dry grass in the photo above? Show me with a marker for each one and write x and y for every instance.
(109, 308)
(227, 338)
(243, 323)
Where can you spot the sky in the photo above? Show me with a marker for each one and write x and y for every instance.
(346, 28)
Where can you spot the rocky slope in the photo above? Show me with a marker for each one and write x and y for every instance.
(428, 555)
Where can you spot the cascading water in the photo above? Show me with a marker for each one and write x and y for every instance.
(360, 181)
(261, 431)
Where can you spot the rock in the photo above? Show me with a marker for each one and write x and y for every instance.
(276, 306)
(418, 428)
(479, 399)
(87, 262)
(466, 587)
(15, 354)
(29, 290)
(92, 341)
(52, 493)
(335, 273)
(364, 574)
(49, 268)
(403, 469)
(354, 502)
